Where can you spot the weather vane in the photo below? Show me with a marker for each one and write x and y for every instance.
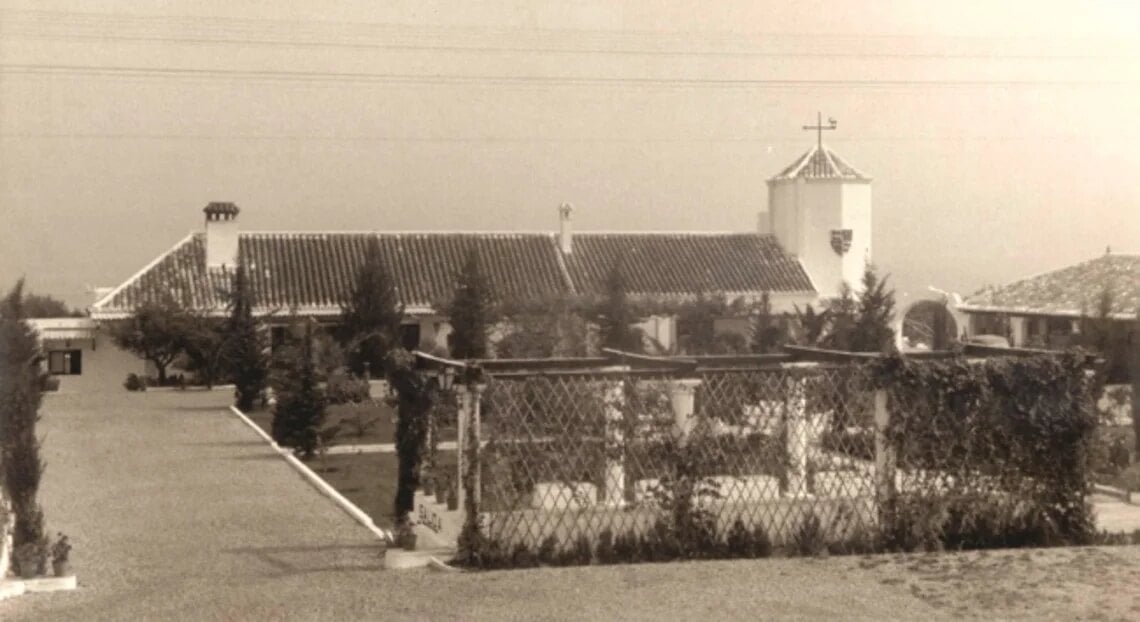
(819, 127)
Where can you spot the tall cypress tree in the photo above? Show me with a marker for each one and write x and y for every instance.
(471, 311)
(616, 316)
(876, 309)
(1135, 372)
(21, 379)
(371, 314)
(300, 412)
(767, 333)
(246, 357)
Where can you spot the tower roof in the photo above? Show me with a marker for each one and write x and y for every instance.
(819, 162)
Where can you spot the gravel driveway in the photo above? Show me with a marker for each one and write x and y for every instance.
(180, 512)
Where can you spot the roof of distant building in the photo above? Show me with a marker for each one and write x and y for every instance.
(1071, 291)
(819, 162)
(311, 272)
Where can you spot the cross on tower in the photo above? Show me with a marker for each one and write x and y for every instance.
(819, 127)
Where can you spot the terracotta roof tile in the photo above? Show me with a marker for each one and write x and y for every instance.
(1068, 291)
(819, 163)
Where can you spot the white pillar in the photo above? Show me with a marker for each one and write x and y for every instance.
(614, 445)
(682, 397)
(477, 440)
(462, 417)
(885, 463)
(797, 438)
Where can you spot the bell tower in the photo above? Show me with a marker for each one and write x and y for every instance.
(819, 209)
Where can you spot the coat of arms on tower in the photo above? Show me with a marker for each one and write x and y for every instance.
(841, 241)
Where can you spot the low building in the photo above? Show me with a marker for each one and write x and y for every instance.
(1046, 310)
(816, 233)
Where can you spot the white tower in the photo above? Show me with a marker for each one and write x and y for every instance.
(819, 209)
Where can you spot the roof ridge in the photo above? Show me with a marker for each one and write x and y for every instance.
(549, 234)
(111, 294)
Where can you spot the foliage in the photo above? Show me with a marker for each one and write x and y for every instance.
(61, 550)
(344, 389)
(134, 382)
(471, 311)
(553, 328)
(1026, 423)
(245, 352)
(156, 331)
(768, 334)
(843, 318)
(872, 331)
(1108, 338)
(371, 315)
(617, 317)
(50, 384)
(300, 413)
(416, 397)
(46, 306)
(1136, 382)
(811, 325)
(21, 379)
(809, 540)
(204, 345)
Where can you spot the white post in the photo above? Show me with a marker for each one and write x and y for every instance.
(614, 445)
(885, 463)
(477, 440)
(464, 399)
(1019, 327)
(682, 397)
(797, 438)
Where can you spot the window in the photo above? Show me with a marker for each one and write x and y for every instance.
(65, 362)
(410, 336)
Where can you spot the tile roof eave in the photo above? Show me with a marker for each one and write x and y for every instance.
(1070, 313)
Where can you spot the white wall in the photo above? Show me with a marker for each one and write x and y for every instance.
(105, 365)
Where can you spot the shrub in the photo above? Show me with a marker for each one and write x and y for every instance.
(809, 540)
(50, 384)
(345, 389)
(747, 544)
(134, 383)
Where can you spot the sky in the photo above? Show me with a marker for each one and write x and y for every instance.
(1000, 136)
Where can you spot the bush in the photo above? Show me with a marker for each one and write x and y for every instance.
(134, 383)
(49, 384)
(344, 389)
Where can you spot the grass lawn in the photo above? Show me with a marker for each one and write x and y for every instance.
(369, 480)
(361, 424)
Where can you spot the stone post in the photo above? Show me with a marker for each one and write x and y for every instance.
(796, 442)
(682, 397)
(476, 440)
(615, 444)
(885, 458)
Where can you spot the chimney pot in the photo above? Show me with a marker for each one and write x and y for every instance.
(565, 230)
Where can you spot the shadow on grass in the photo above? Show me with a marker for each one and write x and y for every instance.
(301, 560)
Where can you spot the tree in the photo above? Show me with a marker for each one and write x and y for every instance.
(371, 314)
(843, 314)
(300, 412)
(551, 328)
(204, 344)
(156, 332)
(616, 316)
(1107, 336)
(21, 379)
(1135, 341)
(471, 311)
(811, 325)
(245, 351)
(45, 306)
(872, 331)
(767, 334)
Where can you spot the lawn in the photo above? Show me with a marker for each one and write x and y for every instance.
(369, 480)
(361, 424)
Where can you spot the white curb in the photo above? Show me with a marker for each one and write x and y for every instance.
(349, 507)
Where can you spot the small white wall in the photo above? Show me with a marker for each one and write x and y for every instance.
(105, 365)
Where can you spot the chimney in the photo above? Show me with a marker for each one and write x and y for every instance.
(764, 223)
(565, 230)
(221, 234)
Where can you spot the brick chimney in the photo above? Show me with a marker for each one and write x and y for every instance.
(565, 229)
(221, 235)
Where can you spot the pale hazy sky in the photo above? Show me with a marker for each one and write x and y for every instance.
(1001, 135)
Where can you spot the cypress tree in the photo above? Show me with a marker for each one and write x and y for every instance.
(617, 317)
(246, 356)
(21, 379)
(371, 314)
(872, 330)
(300, 413)
(767, 335)
(1135, 372)
(471, 311)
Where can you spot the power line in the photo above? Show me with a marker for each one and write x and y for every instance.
(514, 49)
(541, 80)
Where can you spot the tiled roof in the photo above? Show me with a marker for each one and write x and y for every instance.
(312, 271)
(821, 163)
(672, 263)
(1068, 291)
